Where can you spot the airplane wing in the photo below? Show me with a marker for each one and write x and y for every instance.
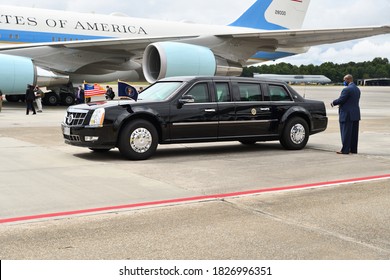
(308, 37)
(92, 56)
(88, 56)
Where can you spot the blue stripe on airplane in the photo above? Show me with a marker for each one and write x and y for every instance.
(271, 55)
(17, 36)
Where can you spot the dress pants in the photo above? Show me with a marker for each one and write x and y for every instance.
(349, 136)
(30, 106)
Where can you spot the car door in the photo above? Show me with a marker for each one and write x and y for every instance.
(278, 98)
(253, 115)
(226, 109)
(197, 119)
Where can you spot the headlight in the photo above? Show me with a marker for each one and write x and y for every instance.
(97, 118)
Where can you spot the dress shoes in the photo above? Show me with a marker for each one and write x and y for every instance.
(341, 153)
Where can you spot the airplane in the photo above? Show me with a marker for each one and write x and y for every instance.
(296, 79)
(56, 49)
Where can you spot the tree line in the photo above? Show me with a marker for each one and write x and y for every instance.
(377, 68)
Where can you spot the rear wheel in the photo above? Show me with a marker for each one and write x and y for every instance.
(67, 99)
(51, 99)
(295, 134)
(138, 140)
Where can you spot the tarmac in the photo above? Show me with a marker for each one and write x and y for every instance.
(204, 201)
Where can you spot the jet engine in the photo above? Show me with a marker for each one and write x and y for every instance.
(16, 72)
(169, 59)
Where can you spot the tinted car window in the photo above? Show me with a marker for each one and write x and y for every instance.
(250, 92)
(223, 92)
(278, 93)
(159, 91)
(200, 93)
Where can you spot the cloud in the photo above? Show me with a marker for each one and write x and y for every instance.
(357, 51)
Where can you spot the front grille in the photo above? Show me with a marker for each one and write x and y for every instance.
(75, 118)
(73, 138)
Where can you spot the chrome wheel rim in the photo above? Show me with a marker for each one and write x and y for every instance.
(141, 140)
(297, 134)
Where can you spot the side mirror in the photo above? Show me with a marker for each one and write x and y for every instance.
(186, 99)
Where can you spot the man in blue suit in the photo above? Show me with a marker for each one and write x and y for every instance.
(349, 116)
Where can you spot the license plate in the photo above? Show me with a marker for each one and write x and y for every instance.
(67, 130)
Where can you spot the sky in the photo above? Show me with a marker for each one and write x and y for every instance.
(321, 14)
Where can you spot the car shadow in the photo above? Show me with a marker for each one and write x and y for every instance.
(188, 152)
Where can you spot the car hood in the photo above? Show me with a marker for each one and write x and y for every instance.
(103, 104)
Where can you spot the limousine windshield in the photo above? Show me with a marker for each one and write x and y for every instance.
(160, 91)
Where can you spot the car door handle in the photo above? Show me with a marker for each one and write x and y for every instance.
(209, 110)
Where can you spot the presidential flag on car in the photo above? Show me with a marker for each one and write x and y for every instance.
(93, 90)
(126, 90)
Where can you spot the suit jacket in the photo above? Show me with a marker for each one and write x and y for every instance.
(81, 96)
(348, 102)
(30, 95)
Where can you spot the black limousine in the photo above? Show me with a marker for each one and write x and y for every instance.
(196, 109)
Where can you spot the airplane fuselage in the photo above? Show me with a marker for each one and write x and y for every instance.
(30, 25)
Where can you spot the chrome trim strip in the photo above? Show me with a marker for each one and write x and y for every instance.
(246, 121)
(195, 123)
(222, 122)
(80, 111)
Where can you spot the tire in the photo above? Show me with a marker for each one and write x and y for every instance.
(295, 134)
(67, 99)
(138, 140)
(51, 99)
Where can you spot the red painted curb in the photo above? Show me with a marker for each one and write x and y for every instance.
(192, 199)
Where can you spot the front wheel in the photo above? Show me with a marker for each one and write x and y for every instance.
(295, 134)
(138, 140)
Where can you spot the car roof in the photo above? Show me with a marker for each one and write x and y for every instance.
(226, 78)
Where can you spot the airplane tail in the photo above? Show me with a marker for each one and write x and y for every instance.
(274, 15)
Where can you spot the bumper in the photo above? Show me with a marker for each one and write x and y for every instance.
(90, 137)
(319, 124)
